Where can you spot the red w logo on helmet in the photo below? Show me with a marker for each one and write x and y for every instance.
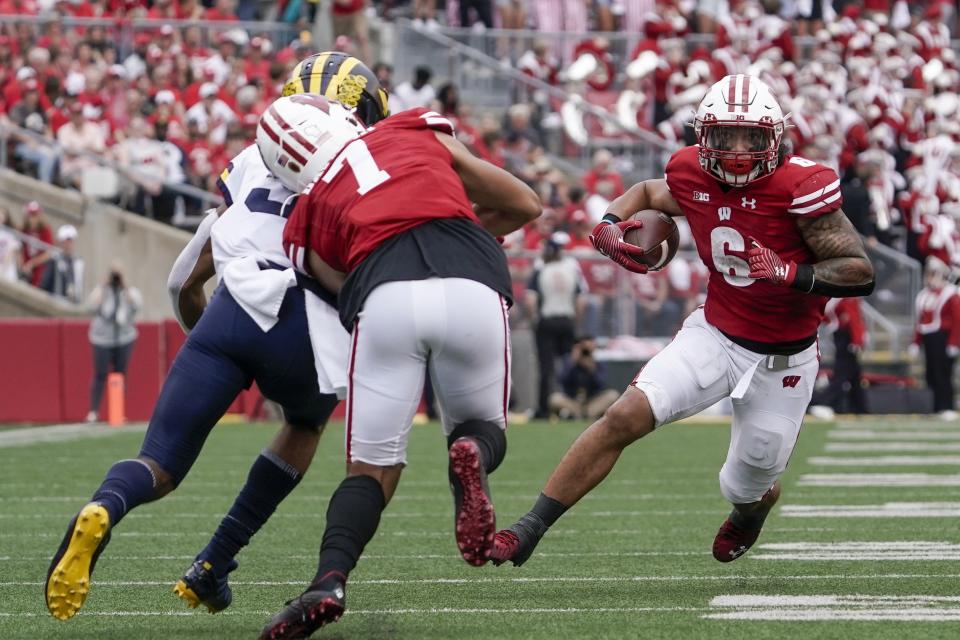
(790, 381)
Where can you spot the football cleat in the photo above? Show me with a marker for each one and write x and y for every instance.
(733, 541)
(517, 542)
(475, 521)
(306, 613)
(68, 578)
(201, 585)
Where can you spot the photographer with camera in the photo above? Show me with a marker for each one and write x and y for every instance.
(585, 394)
(112, 331)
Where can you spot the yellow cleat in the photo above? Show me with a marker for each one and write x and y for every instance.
(68, 579)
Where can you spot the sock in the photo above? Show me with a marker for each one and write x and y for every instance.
(353, 516)
(548, 509)
(128, 484)
(490, 438)
(270, 480)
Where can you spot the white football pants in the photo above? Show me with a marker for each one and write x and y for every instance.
(456, 327)
(770, 395)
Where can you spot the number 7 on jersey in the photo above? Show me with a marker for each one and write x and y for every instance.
(356, 154)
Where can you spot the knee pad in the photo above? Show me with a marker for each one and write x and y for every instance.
(491, 439)
(752, 467)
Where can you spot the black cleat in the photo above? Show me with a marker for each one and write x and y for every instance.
(475, 521)
(306, 613)
(517, 542)
(68, 578)
(201, 585)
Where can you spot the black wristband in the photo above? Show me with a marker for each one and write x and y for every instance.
(611, 218)
(804, 279)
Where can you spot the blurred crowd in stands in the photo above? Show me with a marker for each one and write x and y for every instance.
(871, 87)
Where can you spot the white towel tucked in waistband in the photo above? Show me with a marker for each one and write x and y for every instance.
(259, 292)
(331, 345)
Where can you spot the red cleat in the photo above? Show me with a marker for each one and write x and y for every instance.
(475, 519)
(305, 614)
(733, 541)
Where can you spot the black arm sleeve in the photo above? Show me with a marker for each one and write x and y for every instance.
(806, 282)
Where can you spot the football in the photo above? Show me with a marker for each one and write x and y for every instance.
(658, 237)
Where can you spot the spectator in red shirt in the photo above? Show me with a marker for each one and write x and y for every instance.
(256, 66)
(938, 333)
(350, 19)
(223, 11)
(34, 257)
(579, 226)
(601, 172)
(845, 391)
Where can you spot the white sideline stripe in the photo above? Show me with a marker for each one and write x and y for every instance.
(859, 557)
(532, 580)
(836, 447)
(886, 510)
(874, 615)
(871, 434)
(61, 433)
(884, 461)
(878, 480)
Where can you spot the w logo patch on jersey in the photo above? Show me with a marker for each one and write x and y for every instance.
(790, 381)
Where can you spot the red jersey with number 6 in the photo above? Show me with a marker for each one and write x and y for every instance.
(723, 218)
(394, 177)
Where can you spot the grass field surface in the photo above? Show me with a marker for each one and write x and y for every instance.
(863, 544)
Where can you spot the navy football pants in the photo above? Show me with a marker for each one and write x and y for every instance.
(223, 354)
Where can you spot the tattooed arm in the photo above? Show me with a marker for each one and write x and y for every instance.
(841, 270)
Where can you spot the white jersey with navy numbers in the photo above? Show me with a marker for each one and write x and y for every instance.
(257, 208)
(247, 237)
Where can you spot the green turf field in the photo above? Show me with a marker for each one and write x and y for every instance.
(632, 560)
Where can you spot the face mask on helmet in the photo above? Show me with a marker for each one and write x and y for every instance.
(737, 154)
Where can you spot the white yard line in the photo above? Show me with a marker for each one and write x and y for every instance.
(923, 608)
(886, 510)
(61, 433)
(878, 480)
(873, 434)
(883, 461)
(527, 580)
(894, 551)
(899, 447)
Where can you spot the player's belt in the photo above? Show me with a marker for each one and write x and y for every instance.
(304, 282)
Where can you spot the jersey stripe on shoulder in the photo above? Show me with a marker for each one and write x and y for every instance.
(438, 122)
(815, 200)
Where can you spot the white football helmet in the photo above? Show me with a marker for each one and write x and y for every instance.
(739, 127)
(299, 135)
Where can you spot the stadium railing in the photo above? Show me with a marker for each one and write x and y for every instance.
(122, 32)
(486, 82)
(127, 175)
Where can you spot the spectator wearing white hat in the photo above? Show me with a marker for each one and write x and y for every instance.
(78, 138)
(211, 114)
(63, 274)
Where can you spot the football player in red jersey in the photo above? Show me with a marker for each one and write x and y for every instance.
(769, 228)
(386, 220)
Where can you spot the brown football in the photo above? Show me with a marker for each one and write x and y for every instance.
(658, 237)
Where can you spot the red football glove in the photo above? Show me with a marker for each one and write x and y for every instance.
(607, 238)
(767, 265)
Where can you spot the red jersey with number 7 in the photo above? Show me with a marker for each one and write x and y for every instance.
(394, 177)
(722, 219)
